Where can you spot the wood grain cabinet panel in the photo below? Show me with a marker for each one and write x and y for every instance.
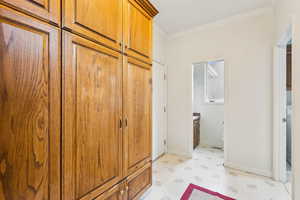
(137, 114)
(92, 138)
(138, 29)
(139, 182)
(48, 10)
(29, 108)
(115, 193)
(100, 20)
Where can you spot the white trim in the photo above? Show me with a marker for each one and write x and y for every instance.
(279, 140)
(260, 172)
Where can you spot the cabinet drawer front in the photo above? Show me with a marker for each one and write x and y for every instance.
(115, 193)
(138, 32)
(99, 20)
(139, 182)
(92, 139)
(29, 107)
(48, 10)
(137, 110)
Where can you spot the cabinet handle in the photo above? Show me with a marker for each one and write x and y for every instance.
(122, 192)
(127, 188)
(120, 123)
(126, 123)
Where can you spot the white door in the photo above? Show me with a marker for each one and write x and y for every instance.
(280, 113)
(159, 110)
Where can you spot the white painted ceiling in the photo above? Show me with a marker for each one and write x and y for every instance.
(180, 15)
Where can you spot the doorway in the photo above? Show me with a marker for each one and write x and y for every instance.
(289, 92)
(208, 104)
(159, 110)
(283, 92)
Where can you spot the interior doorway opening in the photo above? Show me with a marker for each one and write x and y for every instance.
(208, 104)
(289, 92)
(282, 111)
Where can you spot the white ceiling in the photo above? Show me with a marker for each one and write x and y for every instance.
(180, 15)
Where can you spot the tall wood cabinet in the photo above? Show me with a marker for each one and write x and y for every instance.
(75, 99)
(30, 114)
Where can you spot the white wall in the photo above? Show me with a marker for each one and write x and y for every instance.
(245, 42)
(288, 12)
(212, 115)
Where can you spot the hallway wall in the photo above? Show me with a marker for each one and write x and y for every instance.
(245, 42)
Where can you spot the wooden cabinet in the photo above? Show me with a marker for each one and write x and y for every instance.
(75, 123)
(138, 29)
(139, 182)
(48, 10)
(100, 20)
(92, 135)
(115, 193)
(29, 108)
(137, 93)
(196, 129)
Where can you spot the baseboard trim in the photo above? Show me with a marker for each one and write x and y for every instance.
(250, 170)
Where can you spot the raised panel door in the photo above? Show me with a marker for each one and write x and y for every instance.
(137, 31)
(29, 108)
(100, 20)
(48, 10)
(92, 138)
(137, 114)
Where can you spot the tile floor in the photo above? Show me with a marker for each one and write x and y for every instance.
(172, 174)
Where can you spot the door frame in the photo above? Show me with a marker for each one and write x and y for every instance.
(279, 85)
(225, 104)
(157, 83)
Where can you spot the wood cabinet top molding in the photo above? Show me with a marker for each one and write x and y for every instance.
(149, 8)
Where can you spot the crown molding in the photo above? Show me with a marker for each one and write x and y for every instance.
(149, 8)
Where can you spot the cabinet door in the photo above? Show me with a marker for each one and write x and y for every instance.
(115, 193)
(137, 114)
(48, 10)
(100, 20)
(138, 31)
(92, 137)
(139, 182)
(29, 108)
